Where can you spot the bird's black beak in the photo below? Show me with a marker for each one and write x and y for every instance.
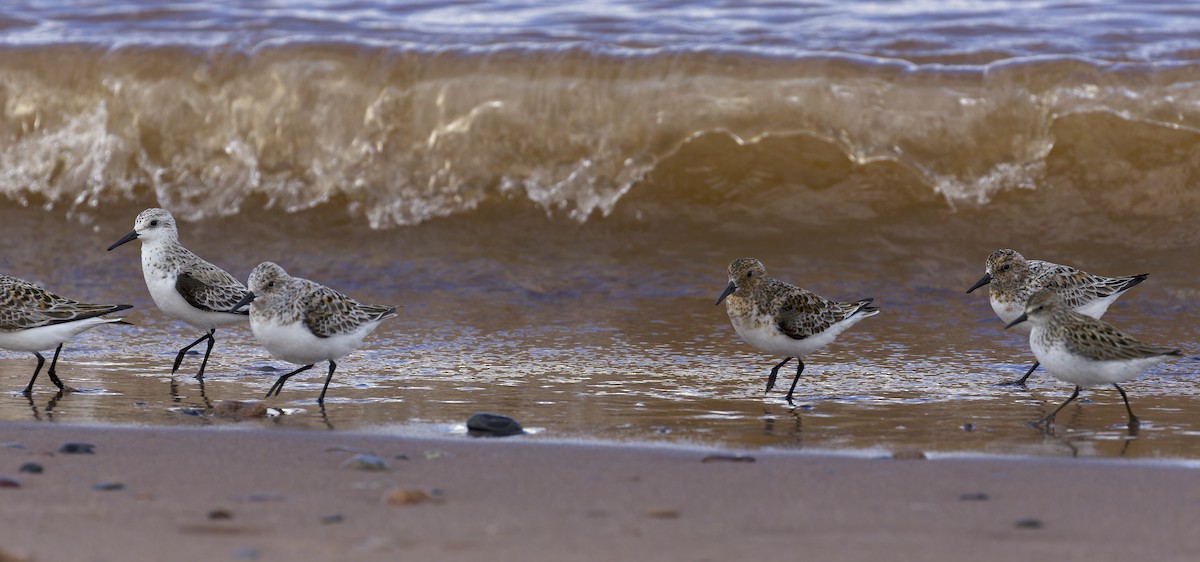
(245, 301)
(1021, 318)
(987, 278)
(131, 236)
(729, 289)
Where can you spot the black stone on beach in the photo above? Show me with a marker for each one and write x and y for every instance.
(77, 449)
(494, 425)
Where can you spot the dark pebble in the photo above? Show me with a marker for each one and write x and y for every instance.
(6, 482)
(77, 449)
(401, 456)
(728, 458)
(191, 412)
(976, 497)
(332, 519)
(968, 427)
(496, 425)
(31, 468)
(220, 515)
(1029, 524)
(108, 486)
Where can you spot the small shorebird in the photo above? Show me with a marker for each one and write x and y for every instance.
(303, 322)
(182, 284)
(33, 319)
(1084, 351)
(782, 319)
(1011, 279)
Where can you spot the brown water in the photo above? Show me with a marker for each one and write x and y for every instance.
(607, 330)
(553, 192)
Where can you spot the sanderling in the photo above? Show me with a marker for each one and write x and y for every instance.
(1084, 351)
(783, 319)
(34, 319)
(1011, 279)
(182, 284)
(303, 322)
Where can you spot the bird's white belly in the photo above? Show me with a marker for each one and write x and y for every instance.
(47, 337)
(1085, 372)
(767, 337)
(294, 343)
(167, 298)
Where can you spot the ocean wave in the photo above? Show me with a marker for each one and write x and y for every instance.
(400, 137)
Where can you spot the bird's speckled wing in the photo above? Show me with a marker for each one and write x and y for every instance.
(24, 305)
(803, 314)
(1077, 288)
(329, 313)
(208, 287)
(1101, 341)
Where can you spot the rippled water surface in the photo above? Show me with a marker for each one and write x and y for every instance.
(552, 191)
(591, 331)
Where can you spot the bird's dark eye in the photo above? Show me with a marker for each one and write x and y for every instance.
(1006, 267)
(270, 284)
(749, 274)
(154, 223)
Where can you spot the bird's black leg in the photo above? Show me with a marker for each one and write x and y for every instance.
(275, 388)
(774, 373)
(179, 356)
(1050, 418)
(53, 375)
(207, 352)
(799, 369)
(321, 398)
(1134, 422)
(1021, 382)
(36, 370)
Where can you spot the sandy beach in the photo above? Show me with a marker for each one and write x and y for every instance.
(206, 494)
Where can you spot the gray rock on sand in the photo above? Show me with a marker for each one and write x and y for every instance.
(493, 425)
(363, 461)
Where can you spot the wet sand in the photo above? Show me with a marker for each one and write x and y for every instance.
(210, 494)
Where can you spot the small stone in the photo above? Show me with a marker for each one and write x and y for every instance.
(239, 409)
(191, 412)
(77, 449)
(401, 456)
(909, 455)
(31, 468)
(663, 513)
(363, 461)
(968, 427)
(1029, 524)
(6, 482)
(407, 496)
(728, 458)
(108, 486)
(493, 425)
(975, 497)
(220, 515)
(332, 519)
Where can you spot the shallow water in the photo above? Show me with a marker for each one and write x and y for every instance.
(604, 331)
(552, 193)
